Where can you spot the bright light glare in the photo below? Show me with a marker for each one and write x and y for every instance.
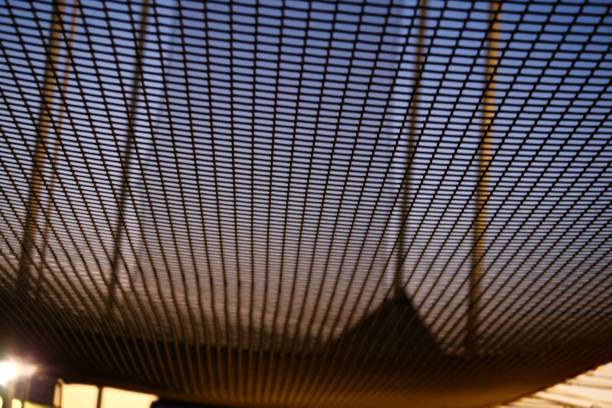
(11, 369)
(28, 370)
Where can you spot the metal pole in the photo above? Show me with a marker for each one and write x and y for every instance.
(99, 400)
(484, 156)
(26, 392)
(60, 393)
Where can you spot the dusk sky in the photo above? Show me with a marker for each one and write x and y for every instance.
(277, 135)
(269, 148)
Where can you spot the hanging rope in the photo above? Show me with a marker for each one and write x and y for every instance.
(482, 183)
(127, 155)
(413, 107)
(68, 65)
(42, 133)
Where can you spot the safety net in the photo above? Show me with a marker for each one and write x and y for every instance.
(308, 203)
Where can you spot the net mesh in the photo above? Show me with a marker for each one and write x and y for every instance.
(297, 203)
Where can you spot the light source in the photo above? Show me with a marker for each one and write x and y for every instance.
(11, 369)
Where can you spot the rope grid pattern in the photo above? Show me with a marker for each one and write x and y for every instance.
(308, 203)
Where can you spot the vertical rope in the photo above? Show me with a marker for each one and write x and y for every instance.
(68, 64)
(127, 154)
(482, 183)
(406, 182)
(42, 133)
